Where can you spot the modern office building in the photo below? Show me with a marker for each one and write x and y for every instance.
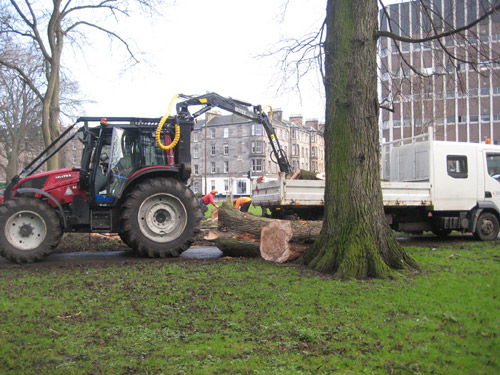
(450, 84)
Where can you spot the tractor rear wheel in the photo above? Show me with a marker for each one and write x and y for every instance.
(29, 229)
(160, 217)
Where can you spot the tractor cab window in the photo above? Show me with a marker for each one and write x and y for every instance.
(124, 160)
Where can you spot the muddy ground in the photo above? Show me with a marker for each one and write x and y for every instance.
(87, 244)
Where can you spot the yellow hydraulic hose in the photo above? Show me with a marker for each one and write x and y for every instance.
(270, 113)
(160, 126)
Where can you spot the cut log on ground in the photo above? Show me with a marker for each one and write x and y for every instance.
(232, 220)
(245, 235)
(235, 248)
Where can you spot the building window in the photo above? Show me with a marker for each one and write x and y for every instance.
(396, 123)
(212, 150)
(474, 118)
(241, 187)
(257, 147)
(226, 132)
(226, 167)
(212, 167)
(450, 119)
(195, 153)
(196, 169)
(256, 129)
(196, 186)
(485, 118)
(226, 185)
(212, 133)
(226, 149)
(256, 165)
(472, 92)
(294, 134)
(212, 184)
(195, 136)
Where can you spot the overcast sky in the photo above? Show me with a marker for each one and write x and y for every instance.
(198, 46)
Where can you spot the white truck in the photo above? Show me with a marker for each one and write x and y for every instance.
(427, 185)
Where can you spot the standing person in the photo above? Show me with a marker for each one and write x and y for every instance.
(242, 203)
(208, 199)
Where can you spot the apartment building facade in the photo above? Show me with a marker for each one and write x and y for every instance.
(228, 149)
(422, 86)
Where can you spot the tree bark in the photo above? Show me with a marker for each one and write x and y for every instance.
(355, 241)
(236, 221)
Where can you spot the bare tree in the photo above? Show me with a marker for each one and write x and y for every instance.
(47, 29)
(20, 111)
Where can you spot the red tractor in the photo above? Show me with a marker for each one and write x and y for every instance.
(132, 181)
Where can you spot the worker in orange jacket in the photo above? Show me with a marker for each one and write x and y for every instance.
(242, 203)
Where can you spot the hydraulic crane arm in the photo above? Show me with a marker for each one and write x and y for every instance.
(247, 110)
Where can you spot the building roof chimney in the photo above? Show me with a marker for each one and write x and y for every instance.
(210, 115)
(313, 123)
(278, 114)
(296, 119)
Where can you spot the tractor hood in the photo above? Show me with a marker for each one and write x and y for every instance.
(49, 180)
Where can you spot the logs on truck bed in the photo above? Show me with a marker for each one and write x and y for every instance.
(239, 234)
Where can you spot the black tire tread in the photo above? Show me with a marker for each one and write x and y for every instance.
(131, 235)
(54, 229)
(478, 235)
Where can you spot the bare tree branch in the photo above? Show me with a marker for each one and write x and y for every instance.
(109, 32)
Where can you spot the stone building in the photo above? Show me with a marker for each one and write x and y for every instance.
(227, 149)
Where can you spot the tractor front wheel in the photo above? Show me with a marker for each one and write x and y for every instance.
(29, 229)
(160, 218)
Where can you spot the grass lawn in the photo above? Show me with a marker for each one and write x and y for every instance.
(246, 316)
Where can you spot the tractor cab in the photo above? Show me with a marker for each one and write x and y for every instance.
(115, 154)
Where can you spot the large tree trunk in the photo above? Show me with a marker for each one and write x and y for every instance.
(356, 241)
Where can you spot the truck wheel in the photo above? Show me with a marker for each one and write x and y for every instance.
(29, 229)
(160, 218)
(487, 227)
